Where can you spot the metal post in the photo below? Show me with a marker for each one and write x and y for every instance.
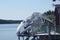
(18, 34)
(23, 38)
(49, 31)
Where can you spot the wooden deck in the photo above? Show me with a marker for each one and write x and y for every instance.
(43, 36)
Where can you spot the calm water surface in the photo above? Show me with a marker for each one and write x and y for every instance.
(8, 31)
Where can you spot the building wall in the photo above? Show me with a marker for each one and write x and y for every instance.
(57, 18)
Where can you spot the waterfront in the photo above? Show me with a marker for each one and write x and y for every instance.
(8, 31)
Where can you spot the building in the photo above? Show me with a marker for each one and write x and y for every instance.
(57, 17)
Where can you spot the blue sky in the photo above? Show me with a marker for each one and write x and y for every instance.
(21, 9)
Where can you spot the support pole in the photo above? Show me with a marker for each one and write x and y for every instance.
(49, 31)
(18, 37)
(23, 38)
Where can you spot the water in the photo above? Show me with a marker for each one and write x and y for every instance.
(8, 31)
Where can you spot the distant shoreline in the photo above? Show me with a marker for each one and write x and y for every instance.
(2, 21)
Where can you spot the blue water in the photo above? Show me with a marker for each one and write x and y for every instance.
(8, 31)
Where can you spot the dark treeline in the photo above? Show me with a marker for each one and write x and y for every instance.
(2, 21)
(50, 14)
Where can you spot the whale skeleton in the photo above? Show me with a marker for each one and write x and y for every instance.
(24, 26)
